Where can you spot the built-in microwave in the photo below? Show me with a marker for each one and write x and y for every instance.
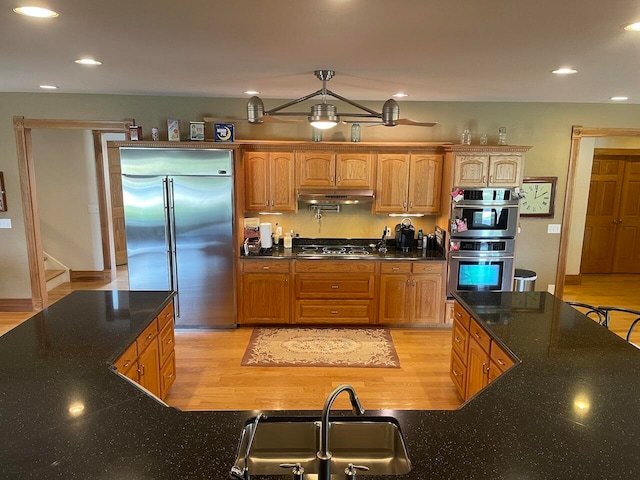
(484, 221)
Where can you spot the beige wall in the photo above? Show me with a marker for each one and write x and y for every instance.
(546, 127)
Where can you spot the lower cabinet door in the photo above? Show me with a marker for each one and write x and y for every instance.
(395, 303)
(149, 367)
(167, 375)
(477, 368)
(427, 299)
(265, 298)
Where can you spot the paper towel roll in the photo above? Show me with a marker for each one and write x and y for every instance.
(265, 235)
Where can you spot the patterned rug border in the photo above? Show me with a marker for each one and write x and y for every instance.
(391, 356)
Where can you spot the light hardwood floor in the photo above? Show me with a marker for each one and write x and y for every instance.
(209, 375)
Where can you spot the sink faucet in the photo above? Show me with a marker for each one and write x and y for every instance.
(324, 455)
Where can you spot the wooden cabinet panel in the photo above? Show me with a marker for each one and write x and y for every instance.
(427, 299)
(167, 375)
(167, 341)
(460, 339)
(149, 367)
(269, 182)
(392, 184)
(147, 336)
(345, 311)
(354, 170)
(477, 368)
(458, 373)
(395, 302)
(425, 181)
(316, 169)
(478, 333)
(334, 286)
(471, 170)
(505, 171)
(265, 298)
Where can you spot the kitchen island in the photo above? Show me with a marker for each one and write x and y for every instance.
(568, 409)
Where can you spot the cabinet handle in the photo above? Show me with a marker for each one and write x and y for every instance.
(141, 371)
(331, 178)
(266, 268)
(485, 368)
(458, 315)
(455, 372)
(150, 336)
(619, 220)
(335, 287)
(409, 282)
(338, 179)
(170, 341)
(484, 178)
(456, 339)
(170, 375)
(395, 269)
(272, 203)
(404, 204)
(126, 364)
(414, 283)
(334, 312)
(477, 335)
(286, 280)
(615, 221)
(491, 178)
(266, 203)
(500, 362)
(411, 204)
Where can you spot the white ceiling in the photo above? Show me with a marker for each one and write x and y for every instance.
(434, 50)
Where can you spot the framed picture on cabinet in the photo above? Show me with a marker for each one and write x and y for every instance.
(3, 196)
(539, 197)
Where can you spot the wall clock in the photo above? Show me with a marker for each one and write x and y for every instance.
(539, 196)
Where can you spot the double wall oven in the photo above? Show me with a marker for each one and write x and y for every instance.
(484, 223)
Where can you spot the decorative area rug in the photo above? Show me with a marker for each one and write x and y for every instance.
(321, 347)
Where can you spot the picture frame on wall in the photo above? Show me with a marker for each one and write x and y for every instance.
(3, 196)
(539, 197)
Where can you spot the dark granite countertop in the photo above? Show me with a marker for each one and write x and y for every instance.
(569, 409)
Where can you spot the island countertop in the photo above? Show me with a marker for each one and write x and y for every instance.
(569, 409)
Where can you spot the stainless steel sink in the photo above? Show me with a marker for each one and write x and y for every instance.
(375, 442)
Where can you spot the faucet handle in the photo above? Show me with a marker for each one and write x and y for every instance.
(297, 470)
(350, 471)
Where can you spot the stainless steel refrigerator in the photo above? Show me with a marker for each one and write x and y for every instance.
(178, 209)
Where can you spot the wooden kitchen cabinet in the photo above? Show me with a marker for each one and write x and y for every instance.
(334, 292)
(476, 358)
(488, 170)
(408, 183)
(411, 293)
(152, 355)
(265, 294)
(269, 182)
(334, 170)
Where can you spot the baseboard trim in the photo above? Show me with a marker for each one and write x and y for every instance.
(90, 275)
(573, 279)
(16, 305)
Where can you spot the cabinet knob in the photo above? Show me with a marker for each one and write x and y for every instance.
(411, 204)
(338, 179)
(266, 203)
(272, 203)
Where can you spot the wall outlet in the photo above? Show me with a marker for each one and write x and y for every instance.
(553, 228)
(5, 223)
(93, 209)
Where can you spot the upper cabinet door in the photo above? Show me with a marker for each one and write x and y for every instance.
(425, 180)
(354, 170)
(256, 181)
(471, 170)
(392, 186)
(316, 169)
(505, 171)
(282, 185)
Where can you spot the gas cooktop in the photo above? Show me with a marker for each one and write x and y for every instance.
(334, 251)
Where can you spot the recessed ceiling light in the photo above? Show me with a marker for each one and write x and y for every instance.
(88, 61)
(36, 12)
(564, 71)
(48, 87)
(632, 27)
(619, 98)
(252, 92)
(399, 95)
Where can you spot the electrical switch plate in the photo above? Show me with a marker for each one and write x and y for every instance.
(553, 228)
(5, 223)
(92, 208)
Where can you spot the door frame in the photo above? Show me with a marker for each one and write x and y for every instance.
(578, 132)
(23, 128)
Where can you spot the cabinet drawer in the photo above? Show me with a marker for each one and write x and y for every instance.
(458, 374)
(478, 333)
(147, 336)
(330, 286)
(167, 375)
(461, 315)
(395, 267)
(132, 372)
(460, 340)
(499, 357)
(165, 315)
(259, 266)
(348, 311)
(127, 359)
(427, 267)
(324, 266)
(167, 340)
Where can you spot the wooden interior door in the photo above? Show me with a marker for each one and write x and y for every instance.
(117, 206)
(602, 212)
(627, 246)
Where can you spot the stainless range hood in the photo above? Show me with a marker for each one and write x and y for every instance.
(332, 196)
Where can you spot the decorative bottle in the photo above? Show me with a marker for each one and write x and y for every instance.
(502, 136)
(355, 132)
(466, 137)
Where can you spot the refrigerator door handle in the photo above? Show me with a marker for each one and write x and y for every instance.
(173, 254)
(167, 228)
